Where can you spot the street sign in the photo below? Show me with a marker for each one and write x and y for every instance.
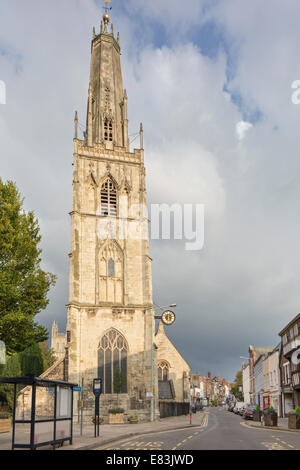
(77, 389)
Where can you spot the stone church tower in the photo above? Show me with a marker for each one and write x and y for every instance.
(110, 327)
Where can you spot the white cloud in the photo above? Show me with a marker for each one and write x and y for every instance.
(241, 129)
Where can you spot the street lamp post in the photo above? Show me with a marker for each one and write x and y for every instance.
(168, 318)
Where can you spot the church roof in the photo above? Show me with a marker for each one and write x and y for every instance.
(161, 331)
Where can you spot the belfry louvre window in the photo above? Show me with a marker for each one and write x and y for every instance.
(108, 130)
(112, 360)
(108, 199)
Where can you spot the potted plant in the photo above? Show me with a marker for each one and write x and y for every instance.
(270, 417)
(5, 422)
(116, 416)
(257, 414)
(294, 418)
(133, 419)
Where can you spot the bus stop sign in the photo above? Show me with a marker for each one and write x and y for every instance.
(97, 387)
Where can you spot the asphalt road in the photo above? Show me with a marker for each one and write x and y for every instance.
(221, 431)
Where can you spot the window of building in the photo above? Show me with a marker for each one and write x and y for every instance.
(111, 268)
(108, 130)
(163, 371)
(108, 199)
(287, 377)
(112, 361)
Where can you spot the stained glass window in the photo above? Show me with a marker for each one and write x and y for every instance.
(112, 355)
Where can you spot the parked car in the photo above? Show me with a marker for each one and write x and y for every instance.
(231, 406)
(199, 406)
(242, 409)
(238, 407)
(204, 402)
(249, 410)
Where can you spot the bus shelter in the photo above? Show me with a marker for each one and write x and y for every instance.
(42, 412)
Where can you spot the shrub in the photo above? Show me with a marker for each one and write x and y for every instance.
(31, 361)
(116, 411)
(270, 410)
(4, 415)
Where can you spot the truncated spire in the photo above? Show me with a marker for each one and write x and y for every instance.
(107, 120)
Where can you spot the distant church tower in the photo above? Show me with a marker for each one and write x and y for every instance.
(110, 328)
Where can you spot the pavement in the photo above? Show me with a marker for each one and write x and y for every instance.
(283, 425)
(112, 433)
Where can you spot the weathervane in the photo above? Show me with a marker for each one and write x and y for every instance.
(106, 8)
(106, 15)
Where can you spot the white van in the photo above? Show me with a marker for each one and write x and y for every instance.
(239, 407)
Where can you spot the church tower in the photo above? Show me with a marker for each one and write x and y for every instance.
(110, 328)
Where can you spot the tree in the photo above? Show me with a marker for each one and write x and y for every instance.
(11, 369)
(47, 355)
(34, 361)
(24, 286)
(119, 382)
(237, 385)
(31, 361)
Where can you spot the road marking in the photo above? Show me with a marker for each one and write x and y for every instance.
(131, 441)
(273, 446)
(205, 423)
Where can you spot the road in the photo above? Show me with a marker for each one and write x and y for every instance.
(221, 431)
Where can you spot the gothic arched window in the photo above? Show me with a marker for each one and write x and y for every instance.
(108, 199)
(108, 130)
(112, 361)
(163, 371)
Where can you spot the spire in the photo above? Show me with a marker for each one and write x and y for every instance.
(141, 137)
(107, 120)
(76, 124)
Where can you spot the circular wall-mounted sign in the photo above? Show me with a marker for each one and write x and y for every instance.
(168, 318)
